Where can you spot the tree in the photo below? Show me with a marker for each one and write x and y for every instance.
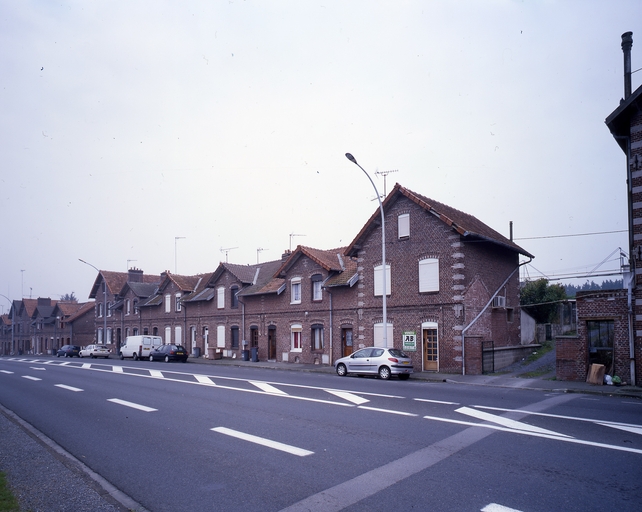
(540, 299)
(69, 297)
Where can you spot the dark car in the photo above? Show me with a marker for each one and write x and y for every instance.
(168, 353)
(69, 351)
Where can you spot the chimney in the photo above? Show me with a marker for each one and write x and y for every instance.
(627, 42)
(135, 275)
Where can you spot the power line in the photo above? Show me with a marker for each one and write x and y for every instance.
(569, 236)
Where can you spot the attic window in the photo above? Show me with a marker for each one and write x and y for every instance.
(403, 226)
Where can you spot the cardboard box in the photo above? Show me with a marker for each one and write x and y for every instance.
(596, 374)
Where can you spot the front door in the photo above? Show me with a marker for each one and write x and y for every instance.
(346, 341)
(272, 344)
(431, 356)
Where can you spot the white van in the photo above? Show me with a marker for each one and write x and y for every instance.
(139, 347)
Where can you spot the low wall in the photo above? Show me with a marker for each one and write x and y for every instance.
(505, 356)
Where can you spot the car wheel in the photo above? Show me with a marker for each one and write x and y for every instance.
(92, 356)
(167, 359)
(57, 355)
(80, 355)
(121, 356)
(66, 355)
(135, 356)
(151, 358)
(342, 371)
(384, 373)
(404, 376)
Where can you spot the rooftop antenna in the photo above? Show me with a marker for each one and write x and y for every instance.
(226, 251)
(291, 235)
(128, 262)
(259, 250)
(384, 174)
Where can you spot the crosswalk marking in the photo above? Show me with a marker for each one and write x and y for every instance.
(263, 441)
(156, 373)
(204, 379)
(30, 377)
(627, 428)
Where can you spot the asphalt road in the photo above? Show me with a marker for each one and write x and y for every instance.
(190, 437)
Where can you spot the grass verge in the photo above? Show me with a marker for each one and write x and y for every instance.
(8, 502)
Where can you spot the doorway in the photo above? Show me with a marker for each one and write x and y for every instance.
(430, 347)
(271, 343)
(346, 341)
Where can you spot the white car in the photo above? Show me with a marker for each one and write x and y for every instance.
(383, 362)
(94, 351)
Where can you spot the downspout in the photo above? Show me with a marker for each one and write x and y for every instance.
(463, 332)
(331, 324)
(632, 254)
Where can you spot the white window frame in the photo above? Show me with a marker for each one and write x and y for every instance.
(296, 338)
(168, 303)
(177, 302)
(378, 335)
(317, 289)
(317, 337)
(178, 335)
(295, 290)
(378, 292)
(403, 225)
(428, 270)
(220, 297)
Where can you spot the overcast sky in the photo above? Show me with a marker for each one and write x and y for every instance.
(127, 124)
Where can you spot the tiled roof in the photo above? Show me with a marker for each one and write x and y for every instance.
(85, 308)
(266, 280)
(465, 224)
(330, 259)
(348, 277)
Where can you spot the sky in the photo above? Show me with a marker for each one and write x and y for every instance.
(169, 135)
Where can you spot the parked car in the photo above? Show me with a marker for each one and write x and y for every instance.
(94, 351)
(69, 351)
(380, 361)
(168, 353)
(139, 347)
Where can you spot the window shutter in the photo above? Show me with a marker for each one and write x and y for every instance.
(403, 225)
(378, 280)
(429, 275)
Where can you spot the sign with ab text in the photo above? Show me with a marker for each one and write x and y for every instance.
(409, 341)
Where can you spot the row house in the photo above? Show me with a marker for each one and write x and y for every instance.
(452, 287)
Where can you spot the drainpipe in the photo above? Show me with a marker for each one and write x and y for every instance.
(331, 324)
(463, 332)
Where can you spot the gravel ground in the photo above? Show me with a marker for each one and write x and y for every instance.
(43, 480)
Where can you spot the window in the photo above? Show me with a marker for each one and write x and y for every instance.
(220, 297)
(178, 335)
(168, 335)
(403, 225)
(234, 300)
(378, 335)
(100, 337)
(295, 332)
(220, 336)
(235, 337)
(128, 307)
(317, 290)
(429, 275)
(108, 309)
(108, 340)
(317, 337)
(378, 280)
(254, 336)
(177, 302)
(136, 306)
(168, 303)
(295, 289)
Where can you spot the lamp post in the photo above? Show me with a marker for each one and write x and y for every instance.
(383, 250)
(104, 302)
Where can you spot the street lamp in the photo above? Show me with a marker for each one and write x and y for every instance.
(104, 302)
(12, 324)
(383, 250)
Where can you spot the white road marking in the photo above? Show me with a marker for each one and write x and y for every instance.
(389, 411)
(131, 404)
(268, 388)
(70, 388)
(38, 369)
(6, 371)
(435, 401)
(627, 428)
(156, 373)
(86, 366)
(30, 377)
(537, 434)
(506, 422)
(264, 442)
(117, 369)
(350, 397)
(204, 379)
(494, 507)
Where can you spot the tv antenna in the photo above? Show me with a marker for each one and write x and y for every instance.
(292, 235)
(259, 250)
(226, 251)
(384, 174)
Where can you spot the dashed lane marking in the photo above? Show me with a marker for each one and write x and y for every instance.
(140, 407)
(263, 441)
(30, 377)
(350, 397)
(70, 388)
(268, 388)
(204, 379)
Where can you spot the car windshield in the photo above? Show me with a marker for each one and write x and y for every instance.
(395, 352)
